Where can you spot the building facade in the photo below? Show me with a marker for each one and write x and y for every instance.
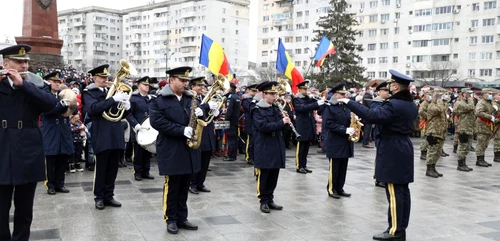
(429, 40)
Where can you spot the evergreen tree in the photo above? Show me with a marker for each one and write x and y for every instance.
(345, 65)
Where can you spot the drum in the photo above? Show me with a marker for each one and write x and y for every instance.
(146, 136)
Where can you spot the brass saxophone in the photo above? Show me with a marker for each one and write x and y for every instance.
(195, 123)
(357, 125)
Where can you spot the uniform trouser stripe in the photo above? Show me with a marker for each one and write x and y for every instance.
(257, 171)
(297, 155)
(246, 148)
(165, 195)
(392, 206)
(330, 179)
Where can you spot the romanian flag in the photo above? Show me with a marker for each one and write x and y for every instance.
(325, 48)
(213, 57)
(285, 66)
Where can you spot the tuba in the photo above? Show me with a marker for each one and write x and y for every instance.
(198, 124)
(126, 69)
(357, 125)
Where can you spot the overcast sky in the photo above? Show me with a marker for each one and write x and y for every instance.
(13, 18)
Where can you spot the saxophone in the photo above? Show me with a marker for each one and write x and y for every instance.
(195, 123)
(357, 125)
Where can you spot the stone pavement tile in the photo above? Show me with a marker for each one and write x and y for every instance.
(78, 226)
(492, 235)
(45, 224)
(122, 237)
(44, 234)
(245, 236)
(231, 228)
(220, 220)
(492, 224)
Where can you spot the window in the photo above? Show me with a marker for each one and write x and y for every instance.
(299, 14)
(423, 12)
(395, 45)
(498, 54)
(237, 23)
(306, 50)
(266, 6)
(473, 40)
(372, 32)
(420, 58)
(395, 59)
(223, 20)
(384, 16)
(421, 43)
(373, 18)
(298, 39)
(487, 39)
(472, 72)
(236, 32)
(360, 33)
(223, 10)
(442, 26)
(474, 23)
(439, 42)
(306, 13)
(371, 74)
(264, 53)
(488, 22)
(382, 74)
(475, 7)
(373, 4)
(398, 16)
(371, 60)
(298, 51)
(263, 64)
(443, 10)
(384, 31)
(382, 60)
(265, 18)
(396, 30)
(490, 5)
(386, 2)
(265, 41)
(361, 19)
(265, 30)
(372, 46)
(497, 72)
(384, 45)
(422, 28)
(472, 56)
(485, 72)
(297, 63)
(486, 55)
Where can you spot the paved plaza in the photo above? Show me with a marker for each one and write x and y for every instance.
(458, 206)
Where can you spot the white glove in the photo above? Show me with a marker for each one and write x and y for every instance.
(495, 106)
(198, 111)
(349, 131)
(126, 104)
(212, 104)
(188, 132)
(64, 103)
(216, 112)
(254, 101)
(447, 116)
(137, 127)
(492, 119)
(343, 100)
(120, 97)
(321, 102)
(451, 109)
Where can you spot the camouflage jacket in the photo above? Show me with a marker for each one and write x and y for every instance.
(422, 110)
(484, 112)
(436, 114)
(466, 118)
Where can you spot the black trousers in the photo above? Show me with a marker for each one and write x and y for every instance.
(24, 195)
(287, 136)
(77, 157)
(232, 141)
(267, 179)
(89, 155)
(249, 148)
(142, 161)
(55, 168)
(241, 143)
(199, 178)
(398, 196)
(106, 169)
(336, 177)
(175, 195)
(301, 155)
(129, 148)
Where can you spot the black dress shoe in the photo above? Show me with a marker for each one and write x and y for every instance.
(91, 168)
(113, 203)
(187, 225)
(203, 189)
(62, 190)
(172, 228)
(334, 195)
(229, 159)
(302, 170)
(380, 184)
(193, 190)
(265, 208)
(138, 178)
(274, 206)
(344, 194)
(51, 191)
(387, 236)
(307, 170)
(209, 169)
(99, 205)
(148, 176)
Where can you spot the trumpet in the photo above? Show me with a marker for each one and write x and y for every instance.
(314, 97)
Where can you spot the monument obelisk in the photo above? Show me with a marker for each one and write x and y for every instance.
(40, 31)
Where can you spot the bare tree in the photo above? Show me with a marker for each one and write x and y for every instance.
(266, 73)
(438, 73)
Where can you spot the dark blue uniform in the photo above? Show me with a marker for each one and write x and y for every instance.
(58, 145)
(233, 116)
(269, 149)
(176, 161)
(306, 127)
(21, 154)
(287, 132)
(139, 111)
(376, 131)
(107, 140)
(248, 104)
(339, 149)
(394, 160)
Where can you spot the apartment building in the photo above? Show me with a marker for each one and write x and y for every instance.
(427, 39)
(92, 36)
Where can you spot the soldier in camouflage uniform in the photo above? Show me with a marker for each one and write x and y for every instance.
(436, 131)
(465, 119)
(422, 114)
(456, 122)
(496, 137)
(484, 125)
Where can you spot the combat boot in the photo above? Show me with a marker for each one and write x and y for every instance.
(423, 155)
(480, 162)
(472, 149)
(455, 148)
(497, 157)
(461, 166)
(444, 154)
(434, 169)
(430, 172)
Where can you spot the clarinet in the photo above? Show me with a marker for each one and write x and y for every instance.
(284, 114)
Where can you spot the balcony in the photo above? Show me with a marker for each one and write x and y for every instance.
(189, 33)
(78, 57)
(135, 40)
(80, 23)
(189, 44)
(191, 14)
(497, 45)
(79, 40)
(280, 22)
